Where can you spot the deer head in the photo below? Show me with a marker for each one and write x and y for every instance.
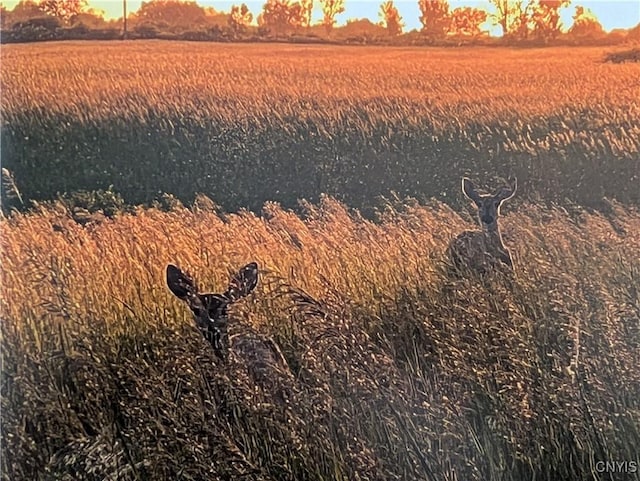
(210, 309)
(489, 204)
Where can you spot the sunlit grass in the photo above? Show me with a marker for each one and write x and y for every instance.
(399, 372)
(396, 370)
(246, 124)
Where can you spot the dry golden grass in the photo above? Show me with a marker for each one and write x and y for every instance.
(399, 372)
(396, 370)
(240, 81)
(246, 124)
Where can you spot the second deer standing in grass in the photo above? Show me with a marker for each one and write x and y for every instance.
(483, 251)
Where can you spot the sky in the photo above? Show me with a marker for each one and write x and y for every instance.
(611, 13)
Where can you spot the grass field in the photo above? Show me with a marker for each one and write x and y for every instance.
(245, 124)
(399, 372)
(394, 369)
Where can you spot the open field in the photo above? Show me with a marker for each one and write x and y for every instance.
(245, 124)
(394, 369)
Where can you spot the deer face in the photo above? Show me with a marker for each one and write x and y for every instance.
(488, 204)
(210, 309)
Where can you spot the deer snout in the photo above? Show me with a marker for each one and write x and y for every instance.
(487, 219)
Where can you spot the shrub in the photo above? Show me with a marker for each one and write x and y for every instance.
(34, 30)
(146, 30)
(632, 55)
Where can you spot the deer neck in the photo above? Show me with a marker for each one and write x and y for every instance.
(492, 236)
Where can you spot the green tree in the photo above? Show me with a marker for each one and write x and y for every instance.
(93, 19)
(585, 24)
(434, 17)
(391, 18)
(3, 16)
(63, 9)
(509, 14)
(306, 12)
(467, 21)
(545, 18)
(331, 8)
(281, 16)
(519, 18)
(240, 18)
(24, 10)
(170, 13)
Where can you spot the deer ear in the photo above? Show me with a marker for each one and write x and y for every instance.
(182, 285)
(506, 192)
(243, 282)
(469, 190)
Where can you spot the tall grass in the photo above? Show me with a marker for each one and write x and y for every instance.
(246, 124)
(398, 372)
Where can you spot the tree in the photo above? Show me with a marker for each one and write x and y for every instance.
(331, 8)
(467, 21)
(519, 18)
(515, 17)
(24, 10)
(391, 18)
(170, 13)
(522, 24)
(633, 34)
(63, 9)
(92, 19)
(217, 20)
(502, 14)
(280, 16)
(509, 14)
(306, 11)
(585, 24)
(434, 17)
(240, 18)
(545, 18)
(4, 21)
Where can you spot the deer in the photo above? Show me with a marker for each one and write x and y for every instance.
(483, 251)
(259, 354)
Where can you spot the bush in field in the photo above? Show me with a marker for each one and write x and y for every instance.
(632, 55)
(105, 201)
(146, 30)
(35, 29)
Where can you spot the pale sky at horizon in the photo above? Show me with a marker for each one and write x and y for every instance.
(611, 13)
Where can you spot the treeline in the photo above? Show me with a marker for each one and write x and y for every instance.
(520, 21)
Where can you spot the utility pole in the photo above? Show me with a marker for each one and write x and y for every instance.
(124, 19)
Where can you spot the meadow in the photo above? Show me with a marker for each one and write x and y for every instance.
(246, 124)
(399, 372)
(396, 370)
